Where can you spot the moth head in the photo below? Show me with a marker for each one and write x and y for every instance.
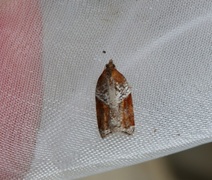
(110, 65)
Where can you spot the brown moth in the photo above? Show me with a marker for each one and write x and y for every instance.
(114, 105)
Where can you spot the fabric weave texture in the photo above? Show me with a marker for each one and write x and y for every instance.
(52, 53)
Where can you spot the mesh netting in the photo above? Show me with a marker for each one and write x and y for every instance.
(52, 53)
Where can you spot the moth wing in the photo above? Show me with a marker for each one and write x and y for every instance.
(102, 92)
(122, 87)
(124, 98)
(103, 115)
(102, 105)
(126, 108)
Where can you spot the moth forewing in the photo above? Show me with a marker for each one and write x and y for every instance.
(114, 105)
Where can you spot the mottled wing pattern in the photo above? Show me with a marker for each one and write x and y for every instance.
(114, 110)
(127, 123)
(122, 87)
(102, 92)
(102, 105)
(103, 115)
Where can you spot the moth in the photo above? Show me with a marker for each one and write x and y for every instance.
(114, 105)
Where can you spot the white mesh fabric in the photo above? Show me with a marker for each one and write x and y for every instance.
(162, 47)
(20, 85)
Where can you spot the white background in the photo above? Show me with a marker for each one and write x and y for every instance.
(162, 47)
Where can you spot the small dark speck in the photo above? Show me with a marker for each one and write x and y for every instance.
(104, 52)
(178, 134)
(155, 130)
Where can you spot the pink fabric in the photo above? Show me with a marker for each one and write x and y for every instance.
(20, 85)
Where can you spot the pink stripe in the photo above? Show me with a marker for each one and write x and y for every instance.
(20, 85)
